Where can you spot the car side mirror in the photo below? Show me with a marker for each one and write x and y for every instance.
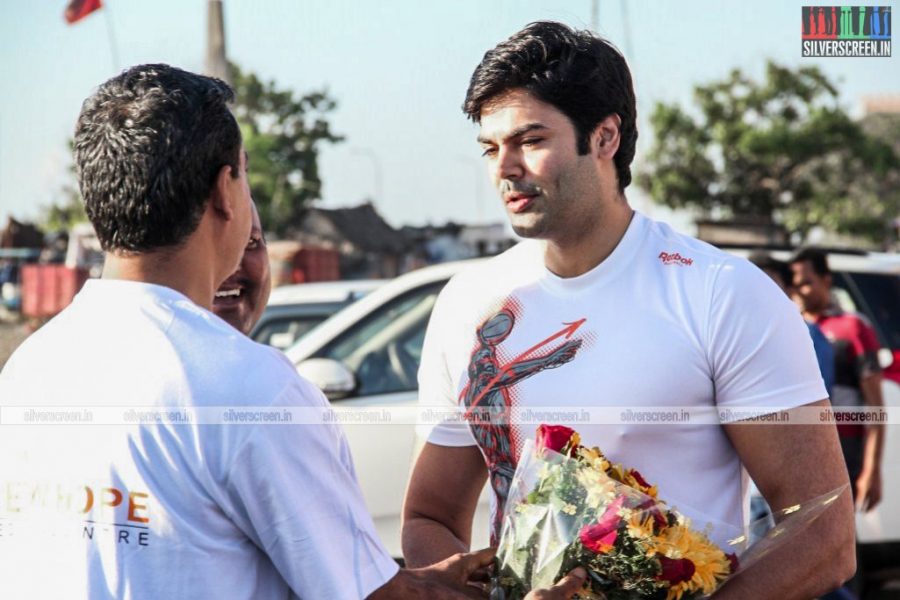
(885, 358)
(331, 376)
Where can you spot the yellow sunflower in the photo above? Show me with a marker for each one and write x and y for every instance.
(710, 563)
(640, 528)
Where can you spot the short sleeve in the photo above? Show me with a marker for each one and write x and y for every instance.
(867, 346)
(824, 355)
(293, 491)
(440, 412)
(759, 348)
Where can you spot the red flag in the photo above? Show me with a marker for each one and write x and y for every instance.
(79, 9)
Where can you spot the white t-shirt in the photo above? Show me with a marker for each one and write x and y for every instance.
(255, 511)
(664, 321)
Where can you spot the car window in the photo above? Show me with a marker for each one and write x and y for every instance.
(881, 297)
(282, 333)
(384, 349)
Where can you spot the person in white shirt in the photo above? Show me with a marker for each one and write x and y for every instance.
(601, 306)
(154, 504)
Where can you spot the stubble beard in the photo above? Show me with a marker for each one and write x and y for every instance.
(533, 223)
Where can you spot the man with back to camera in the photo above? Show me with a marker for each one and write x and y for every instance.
(171, 509)
(857, 372)
(646, 318)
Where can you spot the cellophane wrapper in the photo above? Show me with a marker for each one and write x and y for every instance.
(564, 512)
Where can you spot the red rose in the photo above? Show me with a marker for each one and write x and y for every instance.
(675, 570)
(733, 561)
(600, 537)
(553, 437)
(651, 506)
(639, 478)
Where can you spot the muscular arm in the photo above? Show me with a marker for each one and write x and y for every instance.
(868, 484)
(440, 503)
(791, 464)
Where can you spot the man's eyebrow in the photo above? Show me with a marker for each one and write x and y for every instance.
(517, 132)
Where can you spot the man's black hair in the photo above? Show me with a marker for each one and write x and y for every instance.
(580, 74)
(818, 260)
(148, 147)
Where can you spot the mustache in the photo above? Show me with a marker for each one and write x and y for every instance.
(519, 187)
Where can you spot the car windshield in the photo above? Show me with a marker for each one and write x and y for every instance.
(283, 333)
(384, 349)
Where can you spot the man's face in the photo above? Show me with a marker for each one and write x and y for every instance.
(549, 190)
(811, 290)
(238, 189)
(241, 299)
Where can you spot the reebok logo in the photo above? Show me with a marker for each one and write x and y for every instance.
(675, 259)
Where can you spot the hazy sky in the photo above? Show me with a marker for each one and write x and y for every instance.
(399, 70)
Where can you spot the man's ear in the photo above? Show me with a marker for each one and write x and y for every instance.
(222, 195)
(605, 138)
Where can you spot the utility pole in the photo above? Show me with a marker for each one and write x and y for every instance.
(376, 166)
(216, 61)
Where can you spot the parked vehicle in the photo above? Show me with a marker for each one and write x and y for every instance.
(293, 310)
(869, 283)
(368, 355)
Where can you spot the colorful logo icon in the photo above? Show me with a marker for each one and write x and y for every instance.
(851, 31)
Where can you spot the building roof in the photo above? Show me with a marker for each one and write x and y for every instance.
(361, 226)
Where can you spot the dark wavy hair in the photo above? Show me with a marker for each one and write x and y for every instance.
(148, 147)
(584, 76)
(816, 257)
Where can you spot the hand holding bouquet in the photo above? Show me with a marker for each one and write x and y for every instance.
(569, 506)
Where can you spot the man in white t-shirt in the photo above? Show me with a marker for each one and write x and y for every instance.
(191, 483)
(602, 307)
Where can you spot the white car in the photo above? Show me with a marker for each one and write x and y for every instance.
(368, 354)
(294, 310)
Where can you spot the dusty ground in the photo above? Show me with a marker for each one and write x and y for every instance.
(11, 335)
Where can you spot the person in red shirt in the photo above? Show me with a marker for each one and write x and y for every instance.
(857, 373)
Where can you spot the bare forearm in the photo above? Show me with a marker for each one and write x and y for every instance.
(873, 444)
(817, 560)
(873, 447)
(426, 541)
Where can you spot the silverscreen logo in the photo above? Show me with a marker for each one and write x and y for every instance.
(851, 31)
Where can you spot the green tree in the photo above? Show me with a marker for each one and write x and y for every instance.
(61, 216)
(283, 134)
(782, 150)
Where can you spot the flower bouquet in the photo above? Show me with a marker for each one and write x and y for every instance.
(570, 506)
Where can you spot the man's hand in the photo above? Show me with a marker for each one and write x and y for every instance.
(463, 569)
(565, 588)
(564, 354)
(450, 579)
(868, 490)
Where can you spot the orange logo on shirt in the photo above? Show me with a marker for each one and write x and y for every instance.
(18, 497)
